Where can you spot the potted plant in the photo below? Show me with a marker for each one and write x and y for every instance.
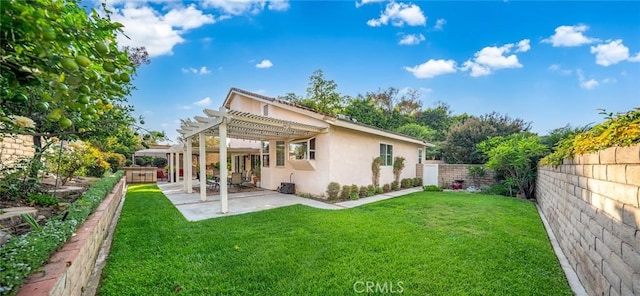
(256, 175)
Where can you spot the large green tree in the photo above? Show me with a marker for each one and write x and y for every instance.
(61, 71)
(516, 156)
(463, 137)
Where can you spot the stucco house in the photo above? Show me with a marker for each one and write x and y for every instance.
(302, 146)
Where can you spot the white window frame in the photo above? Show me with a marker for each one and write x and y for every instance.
(265, 110)
(309, 152)
(420, 155)
(384, 159)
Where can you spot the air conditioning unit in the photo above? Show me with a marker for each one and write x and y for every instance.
(287, 188)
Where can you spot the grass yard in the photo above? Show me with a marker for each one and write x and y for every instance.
(423, 243)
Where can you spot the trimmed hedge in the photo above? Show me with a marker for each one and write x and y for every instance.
(23, 255)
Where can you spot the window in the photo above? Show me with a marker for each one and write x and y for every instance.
(420, 155)
(302, 149)
(279, 153)
(265, 154)
(265, 110)
(386, 154)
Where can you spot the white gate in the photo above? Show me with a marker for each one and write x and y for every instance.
(430, 174)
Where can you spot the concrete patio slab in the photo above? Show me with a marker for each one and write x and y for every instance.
(194, 209)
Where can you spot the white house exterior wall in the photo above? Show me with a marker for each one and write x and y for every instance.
(342, 155)
(353, 153)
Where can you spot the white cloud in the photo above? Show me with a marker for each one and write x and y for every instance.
(411, 39)
(586, 83)
(202, 71)
(158, 33)
(523, 45)
(492, 58)
(439, 24)
(365, 2)
(589, 84)
(433, 68)
(400, 14)
(567, 36)
(559, 69)
(239, 7)
(278, 5)
(264, 64)
(611, 53)
(204, 102)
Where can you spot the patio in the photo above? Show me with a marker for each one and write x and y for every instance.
(193, 208)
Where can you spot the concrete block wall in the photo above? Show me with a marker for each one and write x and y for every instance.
(68, 270)
(592, 204)
(16, 147)
(447, 173)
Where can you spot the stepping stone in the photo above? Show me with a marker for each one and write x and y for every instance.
(11, 216)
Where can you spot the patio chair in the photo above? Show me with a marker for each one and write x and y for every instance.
(213, 184)
(161, 175)
(236, 180)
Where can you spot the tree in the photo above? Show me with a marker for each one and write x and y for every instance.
(437, 118)
(62, 73)
(461, 139)
(322, 94)
(417, 131)
(364, 111)
(516, 156)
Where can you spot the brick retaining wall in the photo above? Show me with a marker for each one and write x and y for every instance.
(592, 204)
(69, 269)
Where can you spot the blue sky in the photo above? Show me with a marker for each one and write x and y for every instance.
(551, 63)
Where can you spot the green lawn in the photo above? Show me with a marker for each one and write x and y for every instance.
(423, 243)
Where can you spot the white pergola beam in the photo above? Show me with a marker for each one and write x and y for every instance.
(224, 203)
(189, 155)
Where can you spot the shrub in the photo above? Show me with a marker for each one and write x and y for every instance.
(144, 160)
(371, 190)
(379, 190)
(15, 182)
(346, 192)
(24, 254)
(159, 162)
(43, 199)
(115, 160)
(406, 183)
(395, 186)
(496, 189)
(353, 195)
(398, 166)
(128, 162)
(417, 182)
(375, 170)
(363, 191)
(476, 172)
(386, 188)
(621, 129)
(333, 189)
(355, 188)
(432, 188)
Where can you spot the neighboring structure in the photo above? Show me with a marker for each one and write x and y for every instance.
(300, 145)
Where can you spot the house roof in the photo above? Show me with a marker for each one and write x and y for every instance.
(331, 119)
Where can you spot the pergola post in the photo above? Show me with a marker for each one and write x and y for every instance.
(224, 204)
(178, 166)
(184, 169)
(171, 168)
(202, 165)
(189, 165)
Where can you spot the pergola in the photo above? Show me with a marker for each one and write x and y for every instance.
(237, 125)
